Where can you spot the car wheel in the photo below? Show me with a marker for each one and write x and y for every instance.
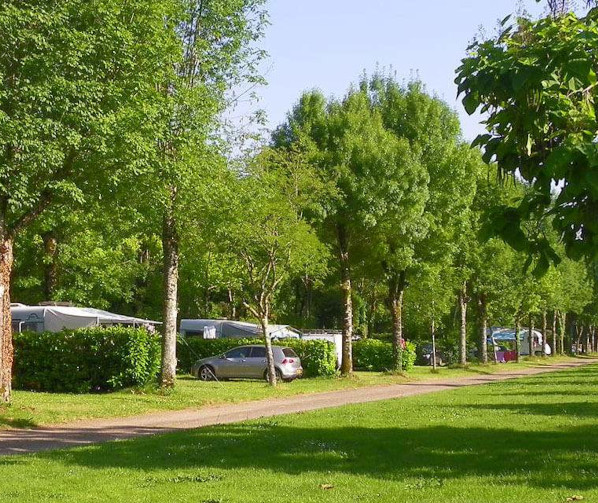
(206, 373)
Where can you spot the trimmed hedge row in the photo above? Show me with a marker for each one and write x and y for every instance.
(84, 360)
(318, 358)
(376, 355)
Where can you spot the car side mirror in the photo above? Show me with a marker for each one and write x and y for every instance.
(222, 356)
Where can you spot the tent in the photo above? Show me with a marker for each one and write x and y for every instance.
(216, 329)
(56, 318)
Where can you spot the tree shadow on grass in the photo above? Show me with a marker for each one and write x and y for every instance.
(443, 452)
(16, 422)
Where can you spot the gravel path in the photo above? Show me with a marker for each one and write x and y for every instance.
(103, 430)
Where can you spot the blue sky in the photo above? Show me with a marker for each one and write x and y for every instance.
(326, 44)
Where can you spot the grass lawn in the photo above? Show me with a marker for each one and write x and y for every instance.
(36, 409)
(527, 440)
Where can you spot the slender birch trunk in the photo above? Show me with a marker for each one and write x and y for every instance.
(271, 369)
(483, 328)
(6, 348)
(530, 335)
(345, 270)
(544, 334)
(170, 245)
(517, 328)
(563, 323)
(433, 332)
(463, 333)
(396, 289)
(554, 334)
(50, 265)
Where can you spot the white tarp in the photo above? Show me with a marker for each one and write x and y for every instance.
(56, 318)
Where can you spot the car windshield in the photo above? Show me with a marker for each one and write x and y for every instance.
(288, 352)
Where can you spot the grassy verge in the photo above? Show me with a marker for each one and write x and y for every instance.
(533, 439)
(37, 409)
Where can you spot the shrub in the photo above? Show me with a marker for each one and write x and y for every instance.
(84, 360)
(375, 355)
(318, 358)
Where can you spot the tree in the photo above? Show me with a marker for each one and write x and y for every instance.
(272, 241)
(216, 53)
(347, 142)
(537, 83)
(77, 77)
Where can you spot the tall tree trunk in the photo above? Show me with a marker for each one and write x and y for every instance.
(530, 335)
(433, 333)
(232, 308)
(544, 334)
(588, 338)
(6, 349)
(517, 348)
(554, 334)
(579, 333)
(271, 369)
(463, 334)
(483, 327)
(170, 246)
(50, 265)
(563, 327)
(345, 269)
(396, 289)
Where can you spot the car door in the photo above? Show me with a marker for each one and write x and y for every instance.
(234, 363)
(256, 363)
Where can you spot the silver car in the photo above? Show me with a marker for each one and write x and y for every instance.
(249, 362)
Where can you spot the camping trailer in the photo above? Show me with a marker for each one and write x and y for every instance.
(56, 318)
(217, 329)
(497, 335)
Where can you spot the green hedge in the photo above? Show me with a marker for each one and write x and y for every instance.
(318, 358)
(91, 359)
(376, 355)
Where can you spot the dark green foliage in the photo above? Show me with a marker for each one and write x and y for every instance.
(91, 359)
(376, 355)
(317, 357)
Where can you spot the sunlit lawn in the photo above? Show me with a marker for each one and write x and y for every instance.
(34, 409)
(528, 440)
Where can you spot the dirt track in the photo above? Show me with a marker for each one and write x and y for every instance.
(103, 430)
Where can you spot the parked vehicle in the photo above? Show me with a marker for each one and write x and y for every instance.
(249, 362)
(424, 355)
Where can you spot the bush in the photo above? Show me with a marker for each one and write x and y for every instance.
(84, 360)
(375, 355)
(318, 358)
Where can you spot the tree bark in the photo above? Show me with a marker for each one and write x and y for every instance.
(271, 369)
(517, 328)
(579, 333)
(50, 265)
(170, 246)
(396, 288)
(463, 334)
(6, 348)
(554, 335)
(544, 328)
(483, 327)
(530, 335)
(563, 327)
(433, 333)
(232, 308)
(347, 350)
